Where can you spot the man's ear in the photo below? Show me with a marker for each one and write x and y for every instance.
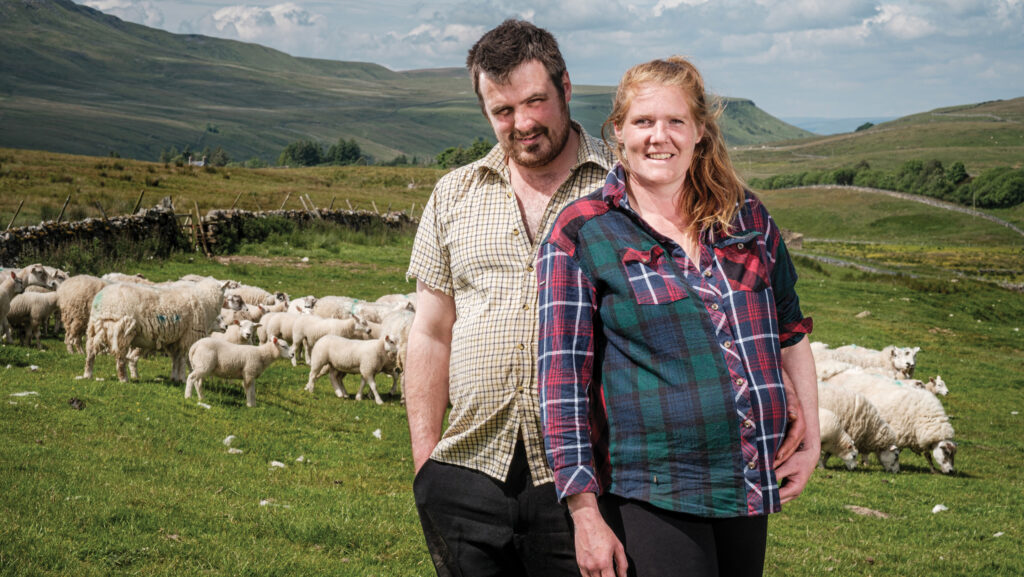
(566, 86)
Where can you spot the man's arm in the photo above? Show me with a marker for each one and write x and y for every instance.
(799, 375)
(426, 370)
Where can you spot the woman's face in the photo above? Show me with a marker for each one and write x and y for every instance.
(658, 134)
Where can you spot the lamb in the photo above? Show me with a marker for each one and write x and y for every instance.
(278, 325)
(130, 316)
(334, 307)
(126, 278)
(32, 310)
(893, 361)
(863, 422)
(211, 356)
(917, 418)
(341, 356)
(230, 284)
(835, 441)
(409, 298)
(302, 304)
(935, 385)
(238, 310)
(13, 283)
(239, 332)
(308, 329)
(74, 299)
(375, 312)
(398, 324)
(253, 295)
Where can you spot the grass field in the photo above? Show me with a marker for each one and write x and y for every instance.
(139, 481)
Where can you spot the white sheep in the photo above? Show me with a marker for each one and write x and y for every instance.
(211, 356)
(375, 312)
(303, 304)
(253, 295)
(229, 284)
(127, 278)
(130, 316)
(341, 356)
(308, 329)
(934, 385)
(30, 311)
(895, 361)
(278, 325)
(398, 324)
(236, 309)
(835, 440)
(916, 416)
(334, 307)
(239, 332)
(863, 422)
(13, 282)
(74, 298)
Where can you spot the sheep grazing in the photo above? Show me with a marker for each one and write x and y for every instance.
(229, 284)
(935, 385)
(308, 329)
(171, 319)
(341, 356)
(239, 332)
(236, 309)
(30, 311)
(397, 324)
(334, 307)
(863, 422)
(211, 356)
(254, 295)
(74, 298)
(835, 440)
(375, 312)
(894, 361)
(917, 418)
(278, 325)
(126, 278)
(13, 282)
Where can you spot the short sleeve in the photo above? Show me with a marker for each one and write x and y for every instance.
(430, 260)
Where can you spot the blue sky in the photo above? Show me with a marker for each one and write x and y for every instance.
(793, 58)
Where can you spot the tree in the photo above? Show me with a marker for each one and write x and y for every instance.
(301, 153)
(864, 126)
(957, 173)
(344, 152)
(219, 157)
(455, 156)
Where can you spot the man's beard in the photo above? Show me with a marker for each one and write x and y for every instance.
(542, 152)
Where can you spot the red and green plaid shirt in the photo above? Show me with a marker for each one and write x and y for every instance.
(658, 381)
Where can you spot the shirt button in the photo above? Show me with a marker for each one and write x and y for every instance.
(740, 246)
(508, 194)
(714, 306)
(727, 344)
(707, 273)
(520, 346)
(529, 268)
(741, 381)
(752, 465)
(748, 424)
(515, 232)
(519, 389)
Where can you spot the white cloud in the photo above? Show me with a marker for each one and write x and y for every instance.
(664, 5)
(287, 26)
(899, 23)
(140, 12)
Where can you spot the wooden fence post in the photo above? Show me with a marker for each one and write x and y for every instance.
(138, 203)
(256, 200)
(332, 202)
(374, 207)
(234, 204)
(60, 216)
(16, 213)
(285, 200)
(202, 233)
(103, 212)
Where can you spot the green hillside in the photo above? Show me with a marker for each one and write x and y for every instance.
(75, 80)
(979, 135)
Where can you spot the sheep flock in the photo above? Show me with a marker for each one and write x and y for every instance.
(207, 326)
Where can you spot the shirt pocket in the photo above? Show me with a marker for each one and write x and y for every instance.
(650, 276)
(741, 259)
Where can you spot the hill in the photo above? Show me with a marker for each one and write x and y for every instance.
(980, 135)
(75, 80)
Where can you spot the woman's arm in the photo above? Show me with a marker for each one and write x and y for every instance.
(799, 375)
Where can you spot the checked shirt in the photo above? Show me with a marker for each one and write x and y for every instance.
(658, 381)
(471, 244)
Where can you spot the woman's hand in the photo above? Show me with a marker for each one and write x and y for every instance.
(598, 551)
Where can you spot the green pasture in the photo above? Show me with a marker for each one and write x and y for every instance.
(139, 481)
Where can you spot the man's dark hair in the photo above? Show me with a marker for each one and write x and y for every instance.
(510, 44)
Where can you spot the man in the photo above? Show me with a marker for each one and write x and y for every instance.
(483, 489)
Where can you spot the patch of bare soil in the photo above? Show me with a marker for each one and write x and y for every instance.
(286, 261)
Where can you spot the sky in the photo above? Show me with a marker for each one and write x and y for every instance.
(793, 58)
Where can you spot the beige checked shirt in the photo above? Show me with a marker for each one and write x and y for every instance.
(472, 245)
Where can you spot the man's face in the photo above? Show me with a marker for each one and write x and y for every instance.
(529, 118)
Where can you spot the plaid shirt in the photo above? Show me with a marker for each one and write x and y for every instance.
(658, 381)
(471, 244)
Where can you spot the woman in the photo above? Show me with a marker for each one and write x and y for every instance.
(667, 319)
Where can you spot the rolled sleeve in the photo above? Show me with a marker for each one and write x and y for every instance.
(565, 369)
(793, 325)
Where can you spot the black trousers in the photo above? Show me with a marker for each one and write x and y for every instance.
(664, 543)
(476, 526)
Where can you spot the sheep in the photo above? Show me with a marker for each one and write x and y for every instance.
(239, 332)
(828, 368)
(130, 316)
(302, 304)
(835, 441)
(341, 356)
(935, 385)
(254, 295)
(278, 325)
(397, 324)
(13, 283)
(308, 329)
(409, 299)
(863, 422)
(32, 310)
(230, 284)
(126, 278)
(236, 309)
(916, 416)
(74, 299)
(375, 312)
(211, 356)
(334, 307)
(894, 361)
